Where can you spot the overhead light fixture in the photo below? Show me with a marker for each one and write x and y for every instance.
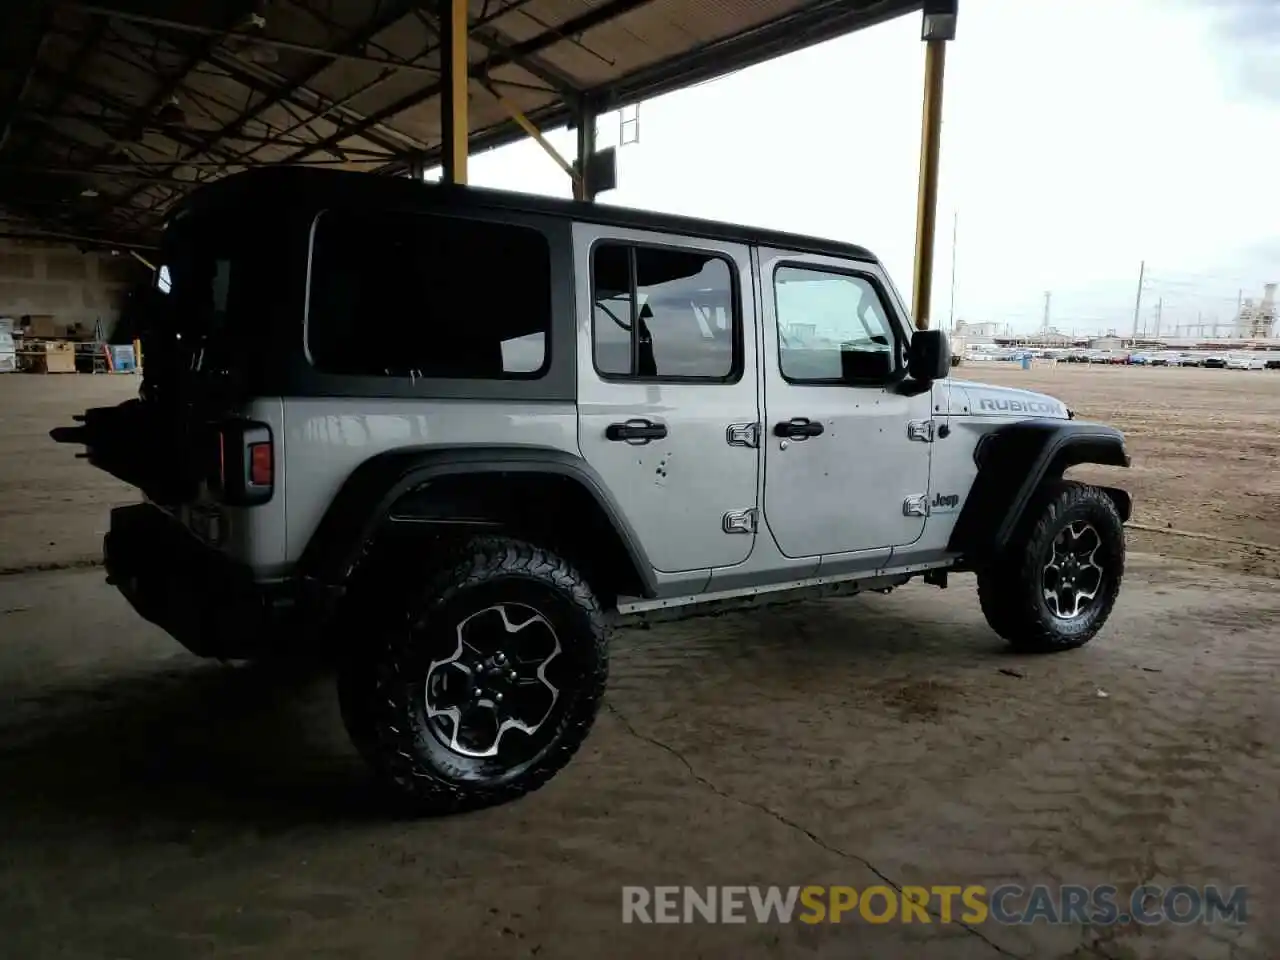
(939, 20)
(88, 192)
(254, 52)
(171, 112)
(254, 18)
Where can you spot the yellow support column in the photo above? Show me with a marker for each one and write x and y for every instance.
(455, 67)
(939, 28)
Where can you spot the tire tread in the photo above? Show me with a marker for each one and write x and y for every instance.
(375, 702)
(1008, 589)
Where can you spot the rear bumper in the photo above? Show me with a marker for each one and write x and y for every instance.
(205, 601)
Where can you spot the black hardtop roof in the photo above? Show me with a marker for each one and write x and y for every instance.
(262, 189)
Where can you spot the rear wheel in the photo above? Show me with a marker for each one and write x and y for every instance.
(483, 683)
(1057, 583)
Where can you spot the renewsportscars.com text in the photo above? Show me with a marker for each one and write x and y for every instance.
(970, 904)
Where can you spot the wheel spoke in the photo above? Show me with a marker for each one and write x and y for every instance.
(1072, 576)
(495, 681)
(450, 685)
(477, 728)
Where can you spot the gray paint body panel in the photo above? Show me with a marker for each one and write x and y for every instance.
(833, 501)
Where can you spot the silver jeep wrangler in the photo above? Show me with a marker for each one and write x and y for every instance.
(450, 434)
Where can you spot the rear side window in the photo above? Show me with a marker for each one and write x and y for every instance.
(663, 314)
(412, 295)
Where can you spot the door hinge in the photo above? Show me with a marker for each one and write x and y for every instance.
(917, 506)
(741, 521)
(921, 430)
(743, 434)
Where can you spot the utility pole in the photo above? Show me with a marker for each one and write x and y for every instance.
(1137, 306)
(955, 229)
(1159, 314)
(1048, 297)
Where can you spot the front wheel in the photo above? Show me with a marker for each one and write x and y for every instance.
(483, 681)
(1057, 583)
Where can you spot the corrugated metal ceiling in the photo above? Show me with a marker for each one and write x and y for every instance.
(112, 112)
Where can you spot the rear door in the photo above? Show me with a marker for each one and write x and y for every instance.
(667, 395)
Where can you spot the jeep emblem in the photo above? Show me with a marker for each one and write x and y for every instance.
(945, 500)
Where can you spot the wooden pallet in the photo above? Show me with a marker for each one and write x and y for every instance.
(47, 356)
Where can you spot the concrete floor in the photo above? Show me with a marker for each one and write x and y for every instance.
(155, 805)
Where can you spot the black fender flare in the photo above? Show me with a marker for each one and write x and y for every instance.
(1014, 461)
(371, 492)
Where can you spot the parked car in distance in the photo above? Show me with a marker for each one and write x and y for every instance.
(1160, 359)
(1218, 361)
(1273, 360)
(1190, 360)
(1246, 361)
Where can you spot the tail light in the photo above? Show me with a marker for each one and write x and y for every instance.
(244, 474)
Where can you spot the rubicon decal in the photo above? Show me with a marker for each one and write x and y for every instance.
(1019, 406)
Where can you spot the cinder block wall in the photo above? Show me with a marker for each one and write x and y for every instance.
(39, 277)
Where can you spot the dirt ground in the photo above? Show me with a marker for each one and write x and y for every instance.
(155, 805)
(53, 509)
(1205, 447)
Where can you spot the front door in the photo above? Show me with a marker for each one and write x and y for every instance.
(667, 397)
(845, 470)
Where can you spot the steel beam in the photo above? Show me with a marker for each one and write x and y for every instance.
(393, 14)
(455, 67)
(495, 41)
(114, 126)
(582, 186)
(214, 32)
(40, 31)
(78, 59)
(531, 129)
(825, 20)
(594, 17)
(105, 242)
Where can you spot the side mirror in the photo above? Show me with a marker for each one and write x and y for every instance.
(929, 356)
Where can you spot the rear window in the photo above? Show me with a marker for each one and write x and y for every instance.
(413, 295)
(215, 283)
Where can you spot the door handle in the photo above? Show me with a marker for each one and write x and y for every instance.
(797, 428)
(635, 431)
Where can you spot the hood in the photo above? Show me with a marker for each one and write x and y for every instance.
(988, 400)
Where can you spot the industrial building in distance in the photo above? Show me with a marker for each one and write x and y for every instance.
(1254, 328)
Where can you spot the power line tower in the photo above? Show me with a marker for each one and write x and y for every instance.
(1137, 306)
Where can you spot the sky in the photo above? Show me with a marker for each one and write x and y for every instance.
(1080, 139)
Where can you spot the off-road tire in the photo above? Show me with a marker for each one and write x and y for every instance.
(1010, 589)
(382, 676)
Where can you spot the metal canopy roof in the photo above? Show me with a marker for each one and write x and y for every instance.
(110, 112)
